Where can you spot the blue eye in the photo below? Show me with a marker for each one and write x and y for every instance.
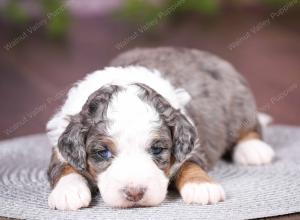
(105, 154)
(157, 148)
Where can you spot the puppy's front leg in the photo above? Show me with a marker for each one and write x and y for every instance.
(195, 186)
(70, 189)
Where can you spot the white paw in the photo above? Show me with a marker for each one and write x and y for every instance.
(253, 152)
(202, 193)
(70, 193)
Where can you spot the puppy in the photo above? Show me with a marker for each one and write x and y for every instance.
(154, 117)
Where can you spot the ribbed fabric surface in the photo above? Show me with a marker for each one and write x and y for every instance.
(252, 192)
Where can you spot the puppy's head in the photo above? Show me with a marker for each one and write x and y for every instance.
(128, 138)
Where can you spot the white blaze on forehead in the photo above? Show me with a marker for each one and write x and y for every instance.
(132, 121)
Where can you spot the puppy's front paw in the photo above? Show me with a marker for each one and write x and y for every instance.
(70, 193)
(202, 193)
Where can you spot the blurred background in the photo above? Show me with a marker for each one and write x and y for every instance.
(46, 45)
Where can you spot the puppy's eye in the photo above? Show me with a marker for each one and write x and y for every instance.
(105, 154)
(157, 148)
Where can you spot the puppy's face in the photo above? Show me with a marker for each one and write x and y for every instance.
(126, 138)
(130, 172)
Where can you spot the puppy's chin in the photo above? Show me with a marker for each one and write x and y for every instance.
(134, 173)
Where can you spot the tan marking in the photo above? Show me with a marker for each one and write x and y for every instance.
(66, 170)
(155, 136)
(92, 170)
(168, 168)
(110, 143)
(249, 136)
(191, 173)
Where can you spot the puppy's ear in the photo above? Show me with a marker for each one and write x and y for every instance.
(184, 137)
(71, 143)
(184, 133)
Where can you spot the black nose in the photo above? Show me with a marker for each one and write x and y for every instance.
(134, 194)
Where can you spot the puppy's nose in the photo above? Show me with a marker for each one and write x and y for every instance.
(134, 194)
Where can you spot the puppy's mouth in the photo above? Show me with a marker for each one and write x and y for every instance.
(132, 197)
(137, 200)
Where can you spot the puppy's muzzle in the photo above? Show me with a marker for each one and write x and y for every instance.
(134, 194)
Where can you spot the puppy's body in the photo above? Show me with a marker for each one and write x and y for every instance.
(153, 115)
(221, 104)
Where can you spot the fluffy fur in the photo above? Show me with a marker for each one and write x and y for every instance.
(221, 105)
(202, 193)
(136, 170)
(253, 152)
(70, 193)
(131, 123)
(78, 95)
(130, 127)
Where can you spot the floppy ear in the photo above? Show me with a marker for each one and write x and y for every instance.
(184, 137)
(184, 133)
(71, 143)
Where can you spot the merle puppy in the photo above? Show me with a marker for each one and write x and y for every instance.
(153, 117)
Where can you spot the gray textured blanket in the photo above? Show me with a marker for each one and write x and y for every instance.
(252, 192)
